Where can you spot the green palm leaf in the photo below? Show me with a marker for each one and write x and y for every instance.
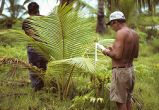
(78, 63)
(64, 39)
(67, 35)
(39, 46)
(64, 35)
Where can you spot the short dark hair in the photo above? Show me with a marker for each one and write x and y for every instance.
(33, 8)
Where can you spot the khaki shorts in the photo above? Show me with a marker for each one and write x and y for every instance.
(122, 84)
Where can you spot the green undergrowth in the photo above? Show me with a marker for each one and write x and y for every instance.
(16, 92)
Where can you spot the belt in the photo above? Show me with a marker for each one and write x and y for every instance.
(122, 66)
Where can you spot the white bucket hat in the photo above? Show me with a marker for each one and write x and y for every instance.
(115, 16)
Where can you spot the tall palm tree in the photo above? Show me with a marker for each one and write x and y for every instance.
(140, 4)
(101, 27)
(150, 4)
(112, 4)
(2, 6)
(16, 11)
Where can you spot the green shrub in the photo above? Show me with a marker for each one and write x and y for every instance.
(16, 52)
(155, 44)
(146, 88)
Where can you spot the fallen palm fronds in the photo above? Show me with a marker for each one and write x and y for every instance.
(17, 62)
(14, 83)
(12, 95)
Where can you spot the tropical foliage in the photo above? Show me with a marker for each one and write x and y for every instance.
(76, 79)
(64, 46)
(15, 11)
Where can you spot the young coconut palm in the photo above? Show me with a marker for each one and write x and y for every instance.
(65, 38)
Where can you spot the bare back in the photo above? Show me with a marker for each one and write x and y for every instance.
(125, 48)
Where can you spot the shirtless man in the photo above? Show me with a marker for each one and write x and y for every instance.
(122, 53)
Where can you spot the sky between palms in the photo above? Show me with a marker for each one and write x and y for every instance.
(47, 5)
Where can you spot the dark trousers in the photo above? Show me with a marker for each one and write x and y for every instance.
(39, 61)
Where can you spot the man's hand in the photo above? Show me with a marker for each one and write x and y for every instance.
(106, 50)
(101, 47)
(110, 48)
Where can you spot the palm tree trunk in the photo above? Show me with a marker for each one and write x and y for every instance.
(117, 4)
(139, 5)
(101, 27)
(149, 6)
(109, 2)
(2, 6)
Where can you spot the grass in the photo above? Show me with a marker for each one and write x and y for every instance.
(23, 98)
(16, 92)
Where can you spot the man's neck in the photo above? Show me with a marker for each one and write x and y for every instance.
(34, 14)
(121, 26)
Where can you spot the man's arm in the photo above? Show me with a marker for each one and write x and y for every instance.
(32, 34)
(30, 31)
(27, 28)
(117, 50)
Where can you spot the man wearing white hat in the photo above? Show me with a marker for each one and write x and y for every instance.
(122, 53)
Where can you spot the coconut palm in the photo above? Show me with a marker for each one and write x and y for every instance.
(16, 11)
(112, 4)
(2, 6)
(65, 38)
(150, 4)
(141, 5)
(101, 27)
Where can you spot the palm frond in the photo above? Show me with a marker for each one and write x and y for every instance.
(39, 46)
(82, 4)
(15, 61)
(64, 38)
(67, 35)
(79, 63)
(27, 1)
(25, 13)
(4, 16)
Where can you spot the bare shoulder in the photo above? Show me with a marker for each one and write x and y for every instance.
(135, 33)
(122, 33)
